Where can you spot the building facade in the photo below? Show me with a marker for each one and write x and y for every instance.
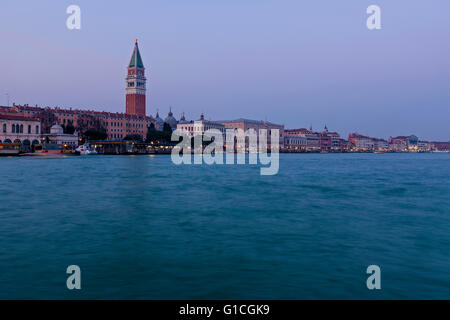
(246, 124)
(360, 142)
(116, 125)
(136, 85)
(15, 128)
(193, 128)
(57, 136)
(295, 143)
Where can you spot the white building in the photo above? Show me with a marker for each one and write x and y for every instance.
(295, 143)
(193, 128)
(19, 130)
(57, 136)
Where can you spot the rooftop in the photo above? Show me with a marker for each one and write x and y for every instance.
(12, 116)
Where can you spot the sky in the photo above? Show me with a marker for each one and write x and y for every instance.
(297, 63)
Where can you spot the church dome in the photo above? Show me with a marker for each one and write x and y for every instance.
(171, 121)
(158, 119)
(56, 129)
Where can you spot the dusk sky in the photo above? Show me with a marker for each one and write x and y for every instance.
(297, 63)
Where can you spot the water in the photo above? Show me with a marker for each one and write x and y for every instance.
(140, 227)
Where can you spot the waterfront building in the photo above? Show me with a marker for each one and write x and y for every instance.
(245, 124)
(337, 144)
(295, 143)
(380, 144)
(324, 140)
(312, 138)
(18, 129)
(425, 146)
(57, 136)
(312, 142)
(329, 141)
(198, 127)
(404, 143)
(360, 142)
(116, 125)
(441, 146)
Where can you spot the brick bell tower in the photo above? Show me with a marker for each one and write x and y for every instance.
(136, 81)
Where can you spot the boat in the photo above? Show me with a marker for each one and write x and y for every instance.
(9, 149)
(86, 150)
(52, 150)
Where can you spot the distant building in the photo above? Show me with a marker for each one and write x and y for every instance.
(312, 138)
(380, 144)
(360, 142)
(295, 143)
(425, 146)
(170, 120)
(15, 128)
(245, 124)
(441, 146)
(193, 128)
(297, 132)
(116, 125)
(57, 136)
(404, 143)
(159, 122)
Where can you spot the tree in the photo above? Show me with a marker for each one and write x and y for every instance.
(69, 129)
(92, 134)
(133, 137)
(156, 136)
(167, 128)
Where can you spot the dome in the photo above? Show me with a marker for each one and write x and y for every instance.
(171, 121)
(56, 129)
(158, 119)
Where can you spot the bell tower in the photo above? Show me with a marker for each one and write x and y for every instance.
(136, 85)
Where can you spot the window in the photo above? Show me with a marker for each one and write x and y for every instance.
(29, 129)
(13, 129)
(21, 128)
(4, 128)
(37, 129)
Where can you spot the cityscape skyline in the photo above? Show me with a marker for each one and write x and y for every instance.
(286, 77)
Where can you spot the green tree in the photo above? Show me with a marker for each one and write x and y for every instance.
(69, 129)
(133, 137)
(167, 128)
(92, 134)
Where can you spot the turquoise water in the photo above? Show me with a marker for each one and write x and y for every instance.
(141, 227)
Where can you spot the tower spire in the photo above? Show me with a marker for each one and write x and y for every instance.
(136, 60)
(136, 85)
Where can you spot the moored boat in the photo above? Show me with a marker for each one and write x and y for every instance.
(85, 150)
(52, 149)
(9, 149)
